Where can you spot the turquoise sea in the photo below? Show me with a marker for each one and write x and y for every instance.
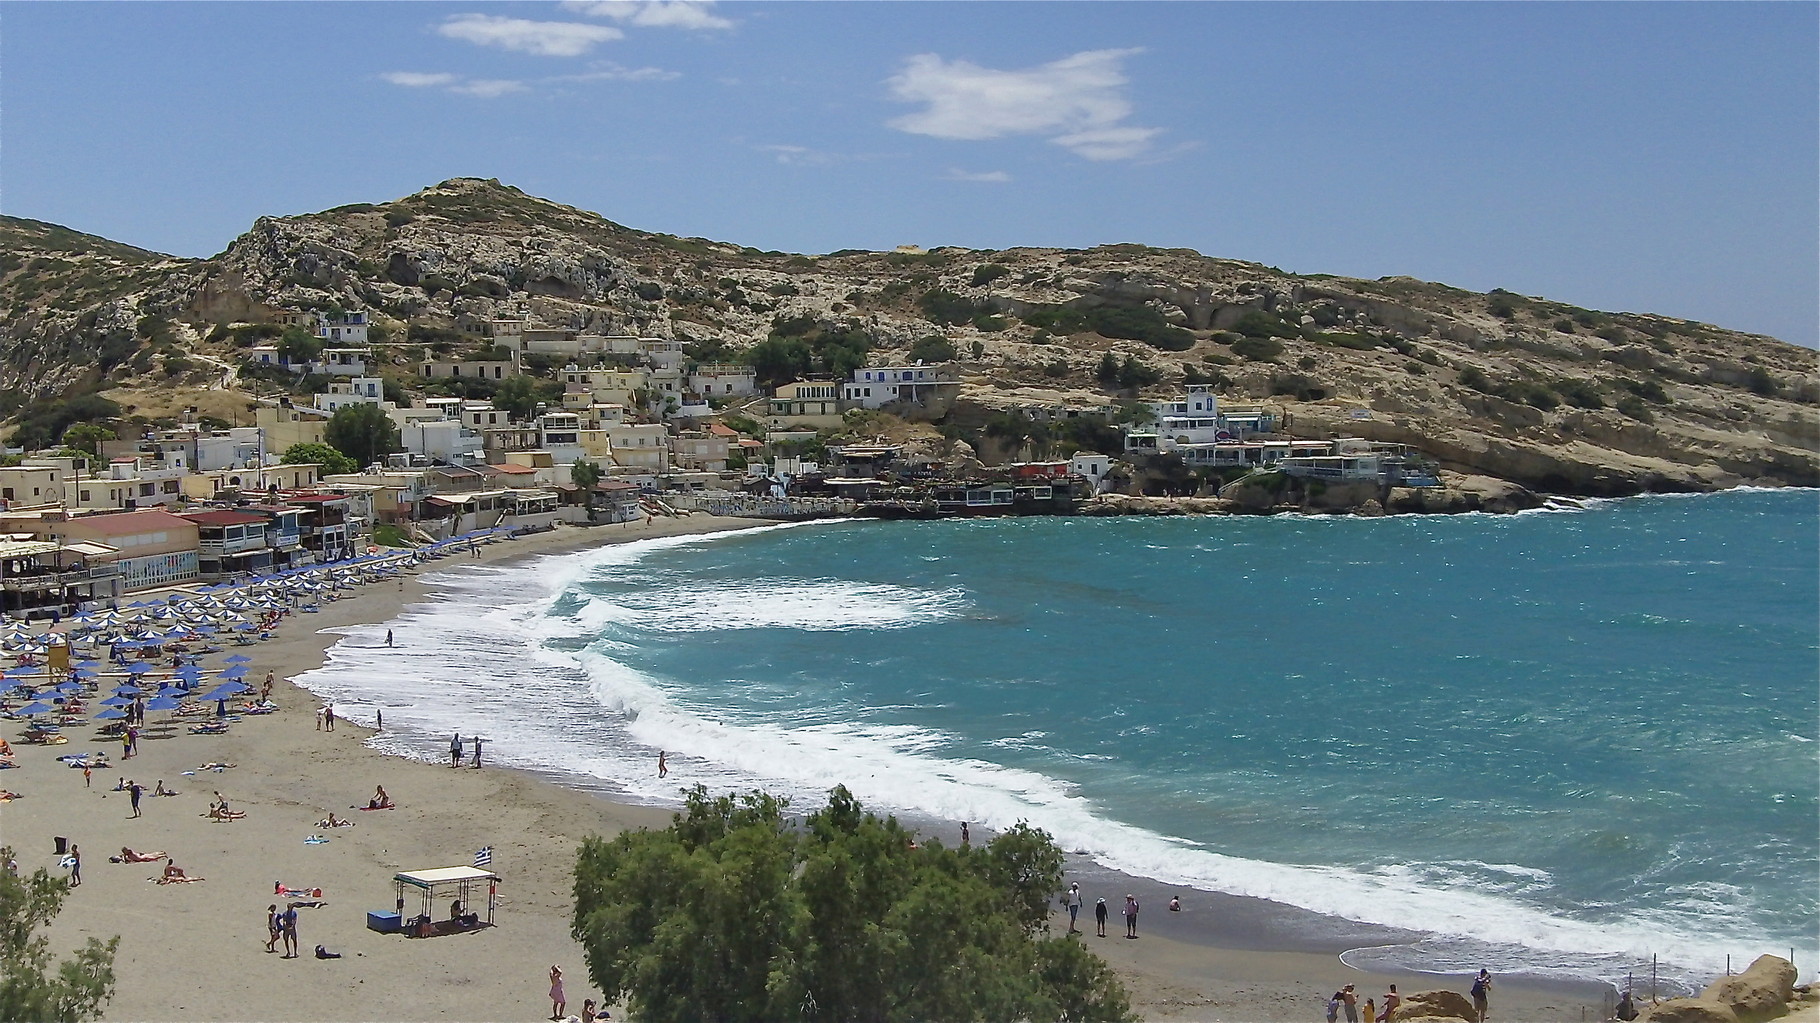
(1560, 741)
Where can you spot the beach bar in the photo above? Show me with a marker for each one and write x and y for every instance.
(459, 883)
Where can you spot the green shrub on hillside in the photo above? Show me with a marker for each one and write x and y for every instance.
(1257, 349)
(989, 272)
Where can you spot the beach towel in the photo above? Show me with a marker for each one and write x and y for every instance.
(315, 840)
(388, 806)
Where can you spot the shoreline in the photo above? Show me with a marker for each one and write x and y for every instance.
(1222, 958)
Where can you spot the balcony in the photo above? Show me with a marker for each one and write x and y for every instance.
(221, 548)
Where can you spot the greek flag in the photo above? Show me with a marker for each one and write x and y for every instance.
(484, 856)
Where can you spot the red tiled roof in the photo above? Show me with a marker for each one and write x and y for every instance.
(129, 523)
(514, 469)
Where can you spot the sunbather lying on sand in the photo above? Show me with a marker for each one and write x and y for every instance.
(285, 891)
(7, 796)
(332, 821)
(129, 856)
(162, 791)
(214, 766)
(219, 811)
(173, 874)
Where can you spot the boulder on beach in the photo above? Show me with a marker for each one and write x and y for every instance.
(1691, 1010)
(1761, 992)
(1435, 1006)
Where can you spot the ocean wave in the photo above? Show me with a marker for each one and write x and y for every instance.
(809, 605)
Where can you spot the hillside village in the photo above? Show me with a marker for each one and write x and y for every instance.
(470, 358)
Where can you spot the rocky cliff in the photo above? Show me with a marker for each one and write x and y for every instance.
(1553, 397)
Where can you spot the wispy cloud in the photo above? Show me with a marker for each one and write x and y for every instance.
(798, 156)
(689, 14)
(607, 71)
(490, 88)
(421, 79)
(992, 177)
(542, 38)
(1078, 102)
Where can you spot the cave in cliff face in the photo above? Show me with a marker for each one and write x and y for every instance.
(554, 287)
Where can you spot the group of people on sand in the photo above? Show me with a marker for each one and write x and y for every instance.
(1346, 1000)
(1072, 901)
(559, 1002)
(172, 874)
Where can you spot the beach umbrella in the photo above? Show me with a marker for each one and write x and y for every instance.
(235, 672)
(233, 686)
(35, 708)
(128, 691)
(238, 659)
(110, 714)
(162, 703)
(117, 701)
(139, 667)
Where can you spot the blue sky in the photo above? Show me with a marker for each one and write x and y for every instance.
(1634, 156)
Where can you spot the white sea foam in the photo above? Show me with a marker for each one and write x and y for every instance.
(809, 605)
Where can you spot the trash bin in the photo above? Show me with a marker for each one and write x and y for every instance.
(63, 845)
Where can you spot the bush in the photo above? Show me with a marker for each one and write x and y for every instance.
(1648, 390)
(933, 348)
(1635, 408)
(1475, 378)
(1761, 383)
(1257, 349)
(943, 306)
(650, 291)
(1501, 307)
(989, 272)
(1056, 368)
(1259, 324)
(1579, 393)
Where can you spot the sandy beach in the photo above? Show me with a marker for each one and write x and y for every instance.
(197, 951)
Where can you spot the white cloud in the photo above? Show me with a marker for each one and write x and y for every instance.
(1108, 143)
(994, 177)
(690, 14)
(420, 79)
(611, 72)
(543, 38)
(482, 88)
(1078, 102)
(489, 88)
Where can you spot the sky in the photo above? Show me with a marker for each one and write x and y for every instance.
(1638, 157)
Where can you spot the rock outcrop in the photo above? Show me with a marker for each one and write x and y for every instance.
(1435, 1007)
(1762, 992)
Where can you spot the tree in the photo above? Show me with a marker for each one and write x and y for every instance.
(30, 987)
(362, 432)
(87, 437)
(733, 914)
(934, 348)
(298, 345)
(516, 395)
(779, 360)
(333, 462)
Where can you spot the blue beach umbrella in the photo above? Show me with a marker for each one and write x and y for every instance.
(35, 708)
(162, 703)
(110, 714)
(234, 673)
(117, 701)
(128, 691)
(138, 668)
(238, 659)
(88, 664)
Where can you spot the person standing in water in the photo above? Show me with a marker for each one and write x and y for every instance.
(663, 765)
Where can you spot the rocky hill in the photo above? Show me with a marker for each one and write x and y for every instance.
(1548, 395)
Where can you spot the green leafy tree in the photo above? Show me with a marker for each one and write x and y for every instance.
(363, 433)
(779, 360)
(333, 462)
(517, 395)
(87, 437)
(31, 986)
(732, 914)
(298, 345)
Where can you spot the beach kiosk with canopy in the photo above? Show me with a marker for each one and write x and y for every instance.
(461, 885)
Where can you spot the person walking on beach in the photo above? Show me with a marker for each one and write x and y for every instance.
(388, 637)
(455, 750)
(75, 865)
(663, 766)
(558, 1000)
(319, 711)
(1350, 1000)
(1481, 995)
(967, 839)
(1073, 902)
(328, 717)
(133, 792)
(1391, 1001)
(288, 924)
(476, 753)
(274, 927)
(86, 776)
(1099, 914)
(1131, 912)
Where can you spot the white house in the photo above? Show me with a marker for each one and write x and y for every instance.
(722, 379)
(359, 390)
(878, 386)
(346, 329)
